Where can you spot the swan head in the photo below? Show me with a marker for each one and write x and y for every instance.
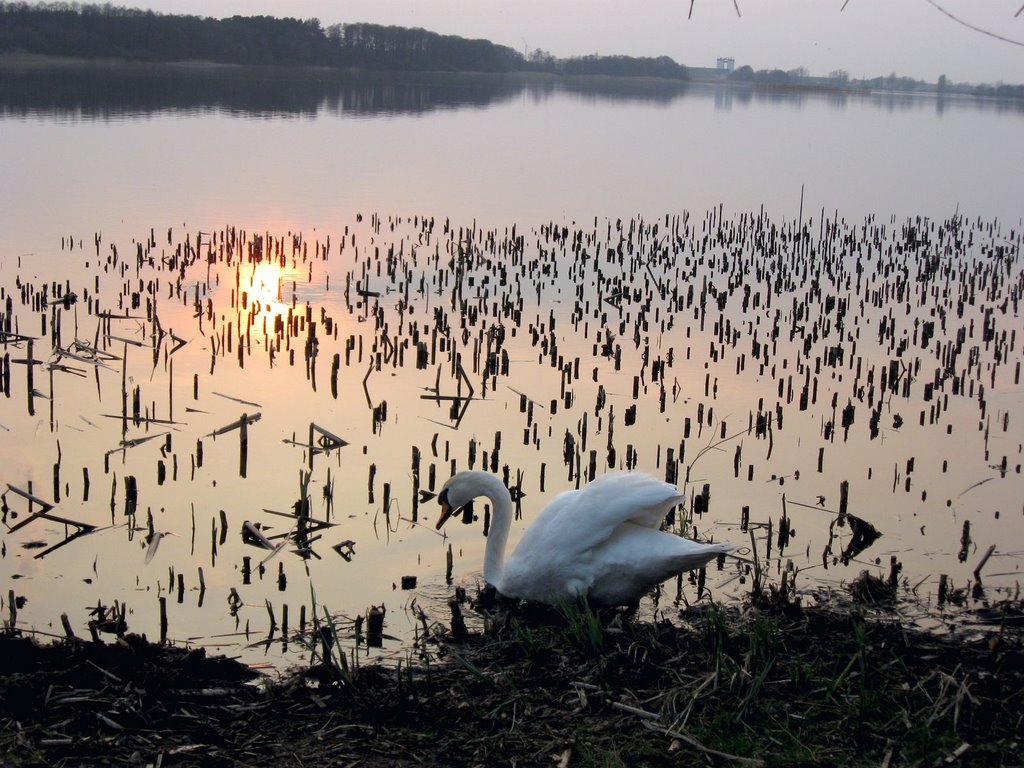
(447, 510)
(461, 489)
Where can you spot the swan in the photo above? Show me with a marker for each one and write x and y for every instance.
(602, 542)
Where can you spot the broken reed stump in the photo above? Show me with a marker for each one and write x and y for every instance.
(984, 559)
(163, 620)
(69, 633)
(458, 623)
(844, 498)
(243, 445)
(375, 626)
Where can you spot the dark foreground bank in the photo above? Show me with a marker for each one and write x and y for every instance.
(838, 684)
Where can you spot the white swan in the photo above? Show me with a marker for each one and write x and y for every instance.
(602, 541)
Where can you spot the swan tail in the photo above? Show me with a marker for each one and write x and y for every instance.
(698, 558)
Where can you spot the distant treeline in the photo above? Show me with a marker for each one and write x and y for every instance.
(109, 32)
(91, 31)
(841, 80)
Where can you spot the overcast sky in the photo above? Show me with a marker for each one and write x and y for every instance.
(867, 38)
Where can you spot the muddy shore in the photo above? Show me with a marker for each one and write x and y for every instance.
(841, 683)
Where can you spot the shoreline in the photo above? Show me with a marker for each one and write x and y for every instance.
(767, 683)
(18, 62)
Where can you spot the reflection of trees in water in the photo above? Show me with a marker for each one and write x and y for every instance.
(113, 90)
(110, 91)
(117, 90)
(107, 92)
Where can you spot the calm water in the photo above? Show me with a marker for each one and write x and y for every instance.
(582, 254)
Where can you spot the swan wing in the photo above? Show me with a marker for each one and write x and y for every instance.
(590, 515)
(560, 553)
(577, 521)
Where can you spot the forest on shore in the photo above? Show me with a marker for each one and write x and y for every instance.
(95, 32)
(92, 31)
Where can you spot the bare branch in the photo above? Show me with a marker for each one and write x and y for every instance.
(971, 26)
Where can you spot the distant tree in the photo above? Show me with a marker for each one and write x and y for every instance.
(625, 66)
(389, 47)
(773, 77)
(744, 74)
(1010, 91)
(92, 31)
(542, 60)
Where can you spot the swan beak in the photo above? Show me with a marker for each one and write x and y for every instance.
(446, 512)
(446, 509)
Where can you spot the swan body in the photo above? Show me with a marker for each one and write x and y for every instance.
(603, 541)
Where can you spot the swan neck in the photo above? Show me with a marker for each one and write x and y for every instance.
(497, 536)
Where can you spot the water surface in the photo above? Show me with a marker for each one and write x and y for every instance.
(623, 279)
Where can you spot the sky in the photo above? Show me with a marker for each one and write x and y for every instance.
(866, 38)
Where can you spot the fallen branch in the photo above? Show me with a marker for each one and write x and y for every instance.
(697, 745)
(984, 559)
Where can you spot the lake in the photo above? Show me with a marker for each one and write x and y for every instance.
(299, 303)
